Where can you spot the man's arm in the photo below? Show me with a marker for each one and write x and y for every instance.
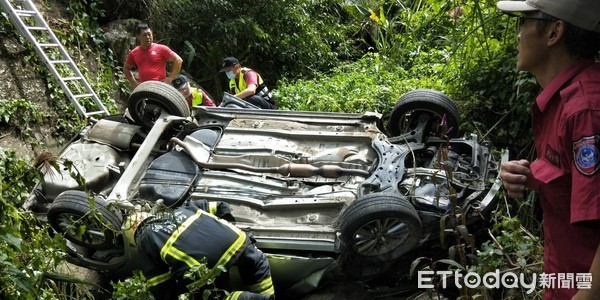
(206, 101)
(176, 60)
(129, 75)
(249, 91)
(160, 281)
(251, 79)
(220, 209)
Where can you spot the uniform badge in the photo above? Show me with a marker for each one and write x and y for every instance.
(585, 155)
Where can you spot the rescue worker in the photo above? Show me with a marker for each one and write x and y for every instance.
(247, 84)
(558, 43)
(170, 245)
(193, 96)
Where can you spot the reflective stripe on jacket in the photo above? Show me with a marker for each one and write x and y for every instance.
(261, 89)
(175, 245)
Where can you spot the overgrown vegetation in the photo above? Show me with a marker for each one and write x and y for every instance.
(31, 259)
(29, 256)
(322, 55)
(20, 114)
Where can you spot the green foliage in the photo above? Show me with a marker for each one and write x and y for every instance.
(277, 38)
(18, 178)
(464, 48)
(456, 47)
(203, 278)
(369, 84)
(134, 287)
(86, 36)
(512, 248)
(20, 115)
(29, 257)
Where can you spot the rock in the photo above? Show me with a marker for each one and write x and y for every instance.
(120, 37)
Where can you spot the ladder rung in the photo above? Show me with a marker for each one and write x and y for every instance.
(82, 96)
(25, 13)
(40, 28)
(71, 78)
(95, 113)
(26, 18)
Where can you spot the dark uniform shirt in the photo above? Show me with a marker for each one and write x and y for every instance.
(169, 247)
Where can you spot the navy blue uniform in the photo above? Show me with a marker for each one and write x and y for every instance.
(169, 247)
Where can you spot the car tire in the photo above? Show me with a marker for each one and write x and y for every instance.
(416, 102)
(151, 98)
(72, 209)
(379, 228)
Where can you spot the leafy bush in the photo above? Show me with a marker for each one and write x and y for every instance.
(20, 115)
(464, 48)
(277, 38)
(511, 248)
(134, 287)
(28, 255)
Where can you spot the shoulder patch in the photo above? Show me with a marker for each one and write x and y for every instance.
(585, 154)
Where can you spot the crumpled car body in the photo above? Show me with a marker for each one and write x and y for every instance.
(319, 192)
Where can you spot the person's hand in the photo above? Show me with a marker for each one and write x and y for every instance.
(514, 175)
(167, 80)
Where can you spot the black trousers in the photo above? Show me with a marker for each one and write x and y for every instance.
(260, 101)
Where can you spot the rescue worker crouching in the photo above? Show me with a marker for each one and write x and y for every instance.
(195, 232)
(193, 96)
(247, 84)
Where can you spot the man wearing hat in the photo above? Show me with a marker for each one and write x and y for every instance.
(247, 84)
(558, 42)
(193, 96)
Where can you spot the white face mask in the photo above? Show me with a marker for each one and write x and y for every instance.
(230, 74)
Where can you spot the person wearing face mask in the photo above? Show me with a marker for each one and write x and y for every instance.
(150, 59)
(247, 84)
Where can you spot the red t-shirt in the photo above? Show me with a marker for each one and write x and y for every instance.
(152, 62)
(566, 127)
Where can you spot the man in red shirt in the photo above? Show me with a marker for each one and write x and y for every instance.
(558, 42)
(150, 59)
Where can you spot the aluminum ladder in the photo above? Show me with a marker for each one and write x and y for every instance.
(28, 20)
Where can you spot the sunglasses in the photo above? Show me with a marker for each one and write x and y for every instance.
(522, 18)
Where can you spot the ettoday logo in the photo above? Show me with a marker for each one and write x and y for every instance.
(496, 279)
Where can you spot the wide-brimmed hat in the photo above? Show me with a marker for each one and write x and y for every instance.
(581, 13)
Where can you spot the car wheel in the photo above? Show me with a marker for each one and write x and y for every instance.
(419, 111)
(151, 98)
(379, 228)
(83, 223)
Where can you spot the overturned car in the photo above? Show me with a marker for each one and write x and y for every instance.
(318, 191)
